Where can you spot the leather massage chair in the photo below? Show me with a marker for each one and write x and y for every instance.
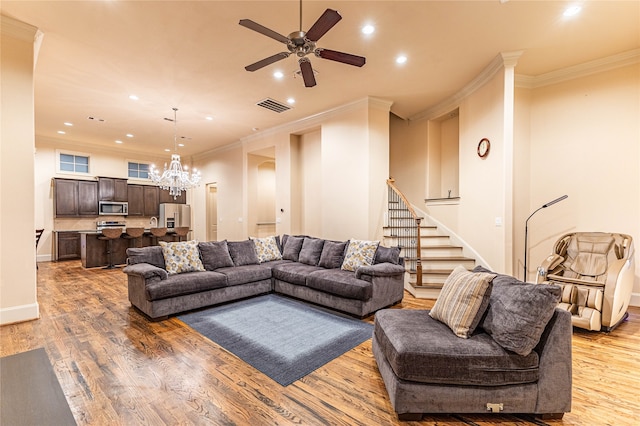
(596, 272)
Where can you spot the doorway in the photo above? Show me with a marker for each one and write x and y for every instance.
(212, 212)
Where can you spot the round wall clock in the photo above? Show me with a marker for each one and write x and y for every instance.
(483, 147)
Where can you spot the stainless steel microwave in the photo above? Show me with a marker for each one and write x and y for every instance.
(113, 208)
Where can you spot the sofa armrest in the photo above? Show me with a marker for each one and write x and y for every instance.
(379, 270)
(146, 271)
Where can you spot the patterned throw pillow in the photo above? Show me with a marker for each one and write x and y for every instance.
(267, 249)
(463, 299)
(181, 257)
(359, 253)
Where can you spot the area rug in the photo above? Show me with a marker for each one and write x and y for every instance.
(283, 338)
(30, 393)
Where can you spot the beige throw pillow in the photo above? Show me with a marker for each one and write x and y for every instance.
(359, 253)
(181, 257)
(267, 249)
(463, 299)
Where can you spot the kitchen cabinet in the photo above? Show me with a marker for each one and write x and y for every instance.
(75, 198)
(151, 195)
(67, 245)
(112, 189)
(166, 198)
(136, 200)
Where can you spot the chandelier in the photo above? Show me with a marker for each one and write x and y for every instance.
(175, 178)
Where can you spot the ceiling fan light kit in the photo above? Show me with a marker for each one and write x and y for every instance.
(302, 43)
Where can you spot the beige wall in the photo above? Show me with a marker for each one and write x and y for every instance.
(18, 294)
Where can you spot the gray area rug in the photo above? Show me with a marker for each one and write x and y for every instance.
(30, 393)
(284, 338)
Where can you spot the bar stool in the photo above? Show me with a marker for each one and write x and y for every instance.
(110, 234)
(156, 233)
(133, 234)
(181, 232)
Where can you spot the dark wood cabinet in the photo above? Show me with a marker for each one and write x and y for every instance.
(166, 198)
(151, 197)
(112, 189)
(136, 200)
(68, 245)
(75, 198)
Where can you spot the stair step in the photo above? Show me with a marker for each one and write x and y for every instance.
(425, 240)
(435, 251)
(444, 262)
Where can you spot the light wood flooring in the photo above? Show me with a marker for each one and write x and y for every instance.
(117, 368)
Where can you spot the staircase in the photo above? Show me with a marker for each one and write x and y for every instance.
(429, 263)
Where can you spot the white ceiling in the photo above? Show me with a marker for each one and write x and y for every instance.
(191, 55)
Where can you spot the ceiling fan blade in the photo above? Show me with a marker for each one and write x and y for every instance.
(324, 23)
(345, 58)
(263, 30)
(307, 72)
(267, 61)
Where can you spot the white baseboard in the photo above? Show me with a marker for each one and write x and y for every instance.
(44, 258)
(21, 313)
(635, 299)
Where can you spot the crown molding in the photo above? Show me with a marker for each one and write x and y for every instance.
(608, 63)
(17, 29)
(501, 61)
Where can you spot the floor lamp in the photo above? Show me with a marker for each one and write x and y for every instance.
(526, 230)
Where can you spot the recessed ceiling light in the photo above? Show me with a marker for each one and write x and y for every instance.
(180, 144)
(291, 101)
(368, 29)
(572, 11)
(278, 74)
(401, 59)
(167, 150)
(133, 97)
(118, 141)
(66, 123)
(62, 132)
(129, 135)
(209, 118)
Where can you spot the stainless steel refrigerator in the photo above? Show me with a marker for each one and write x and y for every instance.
(175, 215)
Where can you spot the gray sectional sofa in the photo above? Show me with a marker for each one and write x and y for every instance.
(306, 268)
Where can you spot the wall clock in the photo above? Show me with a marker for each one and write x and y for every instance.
(483, 147)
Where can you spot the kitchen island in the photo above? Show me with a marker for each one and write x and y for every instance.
(94, 251)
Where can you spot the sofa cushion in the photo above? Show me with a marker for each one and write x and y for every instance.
(267, 249)
(186, 283)
(341, 283)
(518, 313)
(311, 251)
(294, 273)
(387, 254)
(151, 255)
(332, 254)
(215, 254)
(463, 300)
(243, 252)
(245, 274)
(182, 256)
(292, 247)
(359, 253)
(421, 349)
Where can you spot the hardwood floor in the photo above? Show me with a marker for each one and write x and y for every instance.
(117, 368)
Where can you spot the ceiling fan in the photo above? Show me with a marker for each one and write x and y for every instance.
(302, 44)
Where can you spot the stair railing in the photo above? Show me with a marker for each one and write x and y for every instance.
(404, 224)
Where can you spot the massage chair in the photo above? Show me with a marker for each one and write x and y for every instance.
(596, 272)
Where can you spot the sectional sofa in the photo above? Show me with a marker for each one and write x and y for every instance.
(357, 277)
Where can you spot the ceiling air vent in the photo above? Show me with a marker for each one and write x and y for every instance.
(273, 105)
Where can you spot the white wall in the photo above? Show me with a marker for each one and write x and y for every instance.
(18, 291)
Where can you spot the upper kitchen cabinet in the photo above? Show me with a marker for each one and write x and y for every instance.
(166, 198)
(136, 200)
(112, 189)
(74, 198)
(151, 200)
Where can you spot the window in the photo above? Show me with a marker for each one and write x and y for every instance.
(73, 163)
(138, 170)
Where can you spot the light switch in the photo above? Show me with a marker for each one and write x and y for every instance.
(498, 221)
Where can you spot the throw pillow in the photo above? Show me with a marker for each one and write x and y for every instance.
(181, 257)
(463, 300)
(292, 247)
(243, 252)
(267, 249)
(215, 254)
(311, 251)
(332, 254)
(387, 254)
(518, 313)
(359, 253)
